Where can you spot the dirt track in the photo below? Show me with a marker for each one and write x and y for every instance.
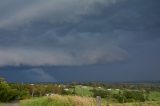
(11, 104)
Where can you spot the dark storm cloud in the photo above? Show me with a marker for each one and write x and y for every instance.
(80, 33)
(52, 33)
(37, 74)
(26, 74)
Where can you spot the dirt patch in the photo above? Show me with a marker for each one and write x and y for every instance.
(10, 104)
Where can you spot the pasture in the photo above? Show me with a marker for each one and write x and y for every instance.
(58, 100)
(84, 97)
(154, 96)
(87, 90)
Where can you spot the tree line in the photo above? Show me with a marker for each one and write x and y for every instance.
(128, 93)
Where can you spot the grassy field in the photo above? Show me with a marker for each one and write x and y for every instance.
(86, 90)
(84, 99)
(83, 91)
(154, 96)
(58, 100)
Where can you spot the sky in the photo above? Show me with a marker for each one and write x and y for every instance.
(79, 40)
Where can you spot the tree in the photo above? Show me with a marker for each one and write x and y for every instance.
(6, 93)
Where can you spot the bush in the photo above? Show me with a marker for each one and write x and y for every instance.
(134, 96)
(10, 93)
(6, 93)
(120, 98)
(130, 96)
(102, 93)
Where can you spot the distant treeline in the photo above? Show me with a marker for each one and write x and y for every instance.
(132, 86)
(127, 93)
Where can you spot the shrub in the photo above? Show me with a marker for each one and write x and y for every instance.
(134, 96)
(102, 93)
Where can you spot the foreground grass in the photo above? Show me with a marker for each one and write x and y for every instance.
(136, 104)
(154, 96)
(58, 100)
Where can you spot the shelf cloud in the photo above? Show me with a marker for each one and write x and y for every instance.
(79, 32)
(105, 36)
(57, 32)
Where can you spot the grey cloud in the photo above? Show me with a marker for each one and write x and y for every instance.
(101, 37)
(57, 11)
(60, 57)
(75, 32)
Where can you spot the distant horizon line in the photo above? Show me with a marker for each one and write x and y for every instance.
(84, 82)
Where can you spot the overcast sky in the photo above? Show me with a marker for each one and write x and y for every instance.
(80, 40)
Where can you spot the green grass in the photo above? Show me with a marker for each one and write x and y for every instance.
(83, 91)
(136, 104)
(84, 99)
(86, 90)
(58, 100)
(154, 96)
